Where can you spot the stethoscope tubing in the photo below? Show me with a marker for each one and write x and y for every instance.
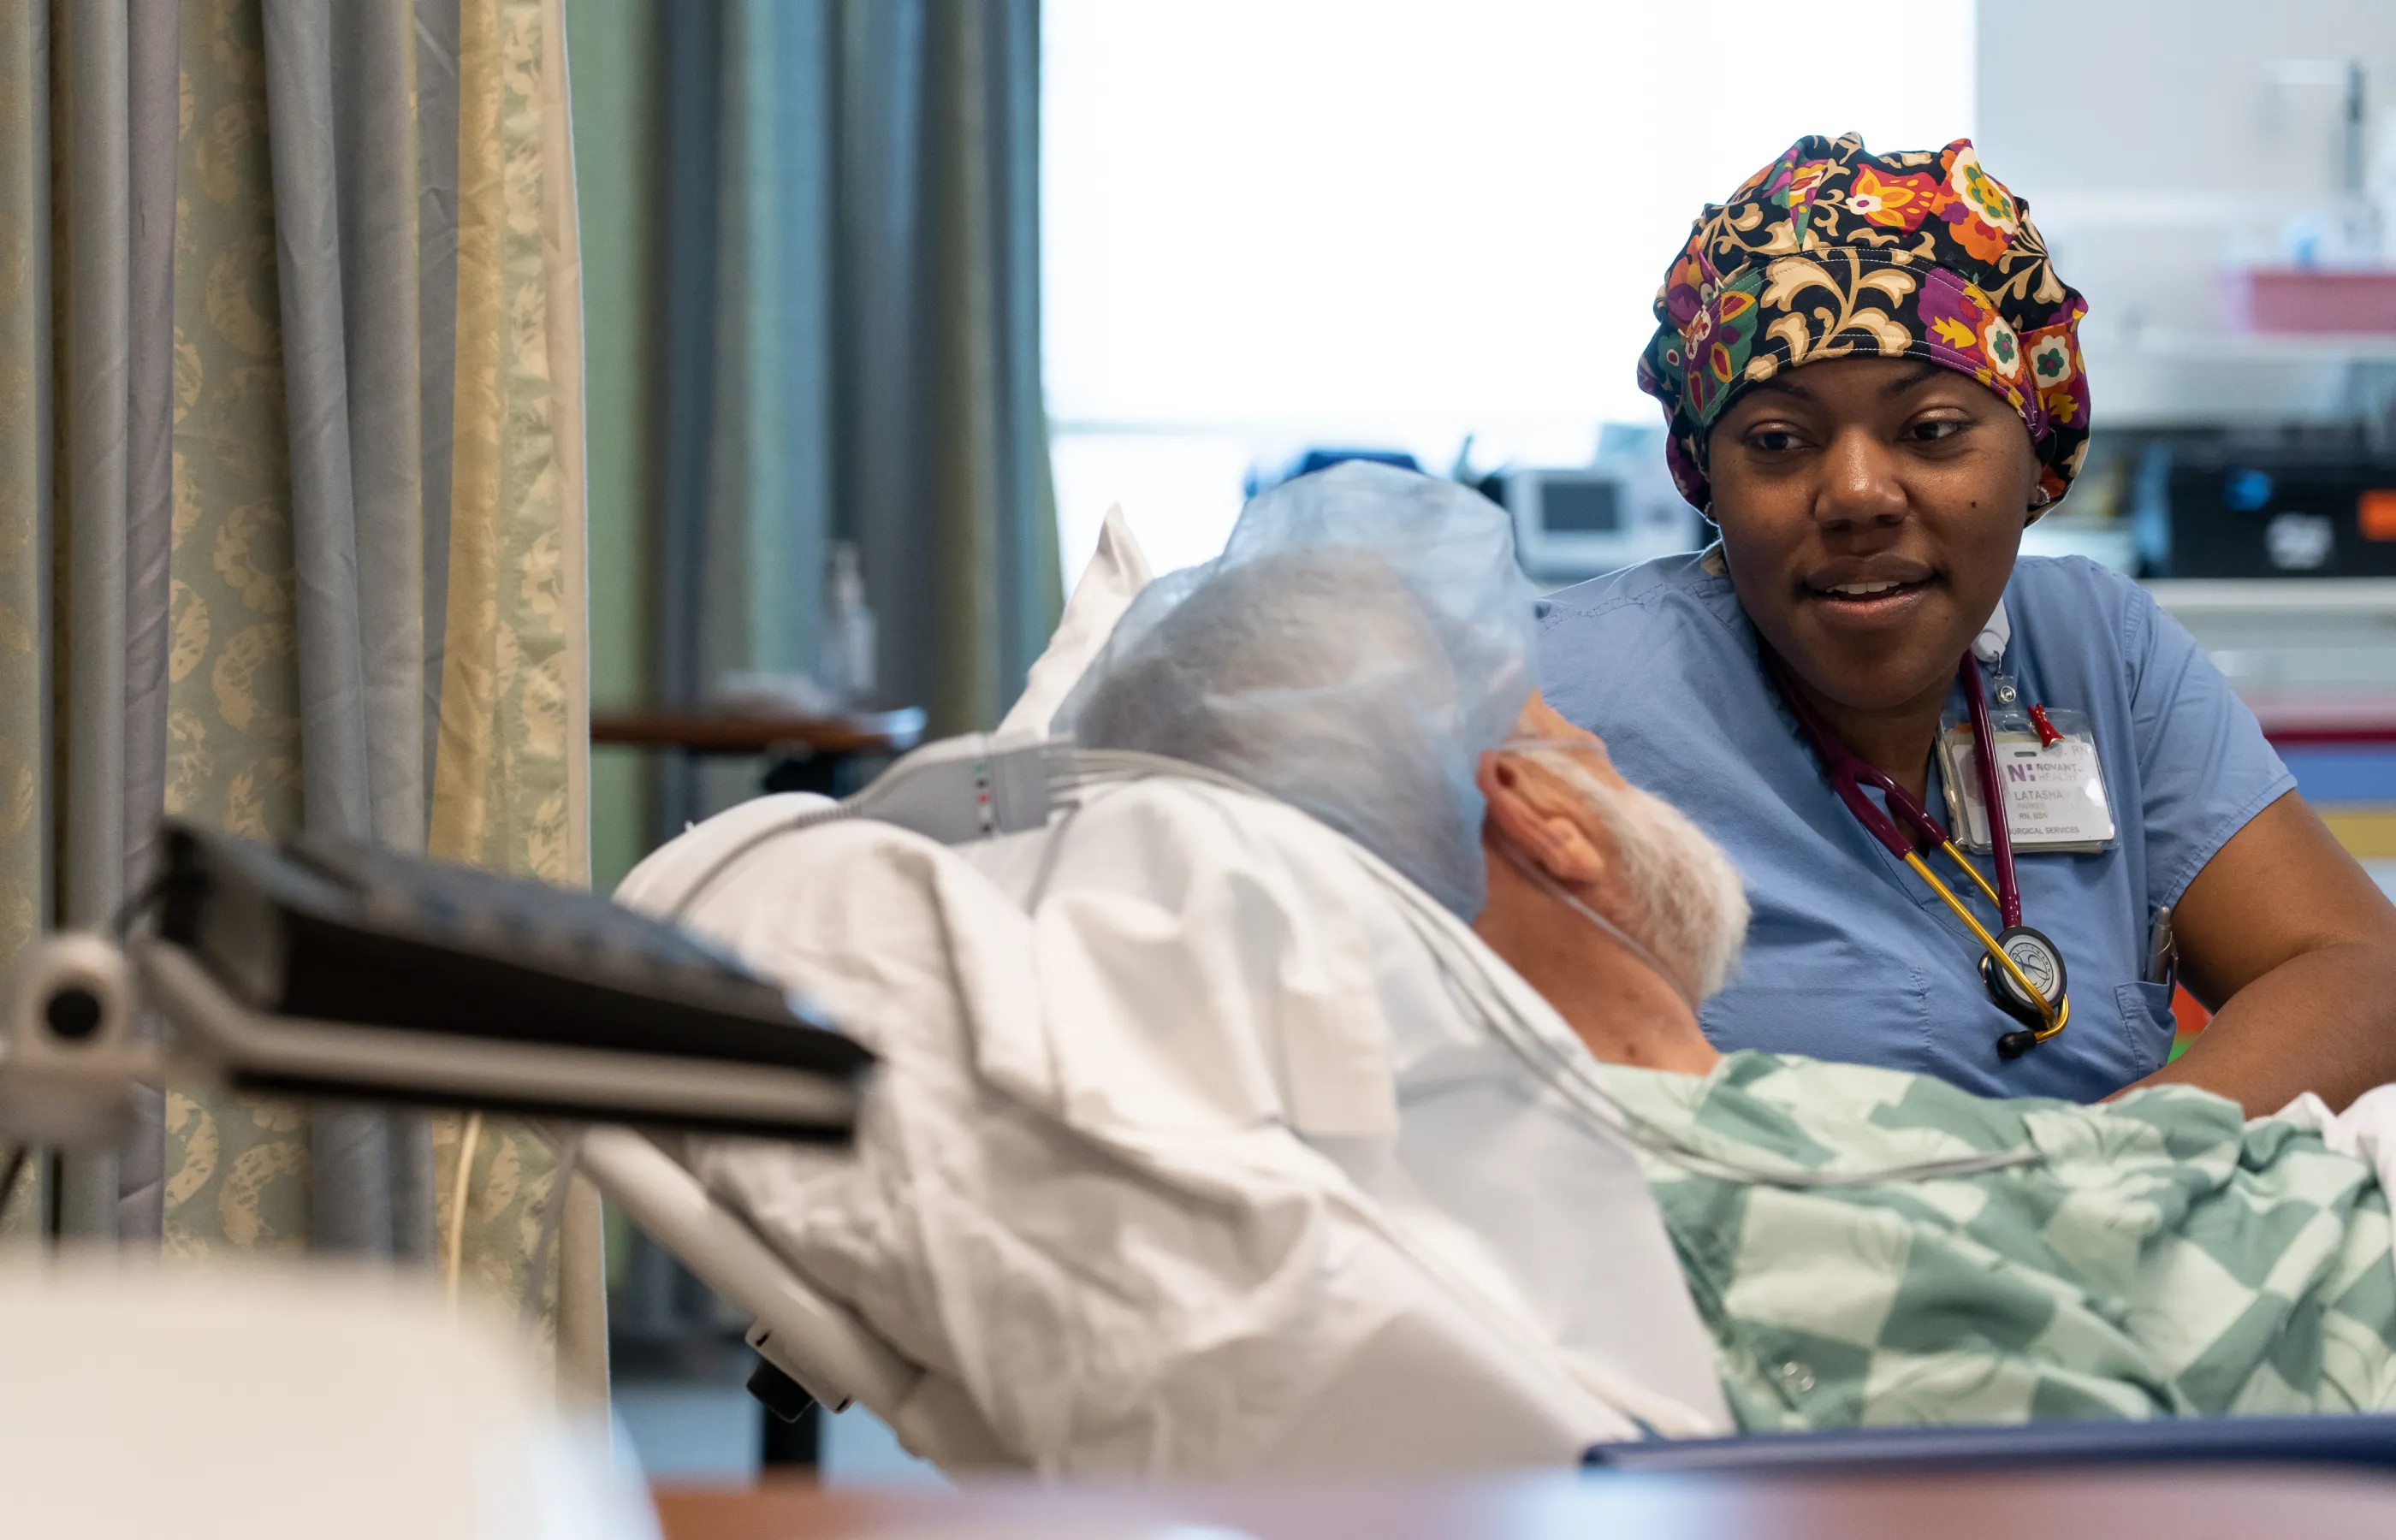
(1848, 774)
(1992, 796)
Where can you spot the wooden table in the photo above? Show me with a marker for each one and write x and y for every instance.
(718, 732)
(828, 754)
(2167, 1503)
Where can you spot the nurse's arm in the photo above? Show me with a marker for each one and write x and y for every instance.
(2292, 947)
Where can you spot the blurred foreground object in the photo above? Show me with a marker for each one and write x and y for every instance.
(282, 1404)
(331, 967)
(1959, 1505)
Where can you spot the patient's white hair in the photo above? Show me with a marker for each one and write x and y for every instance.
(1689, 906)
(1363, 639)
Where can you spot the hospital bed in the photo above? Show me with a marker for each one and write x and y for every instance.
(814, 1346)
(239, 1009)
(810, 1347)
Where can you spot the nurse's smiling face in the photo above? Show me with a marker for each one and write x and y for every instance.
(1870, 510)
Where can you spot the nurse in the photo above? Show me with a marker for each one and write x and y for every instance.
(1873, 383)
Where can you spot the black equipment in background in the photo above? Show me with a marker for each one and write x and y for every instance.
(2224, 509)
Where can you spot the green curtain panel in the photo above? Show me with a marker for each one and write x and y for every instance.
(814, 281)
(290, 525)
(942, 475)
(848, 338)
(26, 888)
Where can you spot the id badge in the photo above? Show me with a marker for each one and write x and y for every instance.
(2054, 792)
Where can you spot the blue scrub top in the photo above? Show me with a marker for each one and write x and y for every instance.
(1850, 955)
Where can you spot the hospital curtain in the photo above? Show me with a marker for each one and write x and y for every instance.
(290, 521)
(849, 341)
(944, 436)
(26, 881)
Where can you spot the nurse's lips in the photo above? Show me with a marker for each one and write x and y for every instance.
(1866, 590)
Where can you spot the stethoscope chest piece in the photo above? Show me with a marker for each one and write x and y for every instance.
(2022, 969)
(2041, 963)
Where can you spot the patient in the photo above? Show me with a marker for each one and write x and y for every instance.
(2163, 1256)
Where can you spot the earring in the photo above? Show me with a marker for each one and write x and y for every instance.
(2041, 498)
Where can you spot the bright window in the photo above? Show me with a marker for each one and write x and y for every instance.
(1277, 223)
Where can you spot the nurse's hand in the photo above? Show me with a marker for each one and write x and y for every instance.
(2292, 947)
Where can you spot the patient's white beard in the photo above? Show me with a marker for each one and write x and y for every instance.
(1689, 906)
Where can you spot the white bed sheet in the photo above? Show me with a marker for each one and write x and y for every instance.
(1158, 1243)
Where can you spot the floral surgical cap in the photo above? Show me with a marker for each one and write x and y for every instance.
(1834, 252)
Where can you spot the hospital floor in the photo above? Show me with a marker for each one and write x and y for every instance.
(689, 1434)
(683, 1409)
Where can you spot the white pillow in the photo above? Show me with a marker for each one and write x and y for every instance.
(1117, 572)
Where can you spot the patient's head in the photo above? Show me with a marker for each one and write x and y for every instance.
(1567, 835)
(1361, 650)
(1314, 675)
(1363, 637)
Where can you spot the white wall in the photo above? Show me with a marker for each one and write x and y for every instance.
(2168, 96)
(2156, 152)
(1271, 223)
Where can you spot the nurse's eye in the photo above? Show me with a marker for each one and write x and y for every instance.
(1772, 441)
(1932, 430)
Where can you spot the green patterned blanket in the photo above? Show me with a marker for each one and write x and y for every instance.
(2162, 1257)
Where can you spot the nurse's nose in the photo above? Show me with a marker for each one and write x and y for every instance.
(1859, 484)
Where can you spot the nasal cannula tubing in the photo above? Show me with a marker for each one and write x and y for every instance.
(1573, 1074)
(1557, 891)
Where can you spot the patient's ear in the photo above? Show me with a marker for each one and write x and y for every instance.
(1540, 817)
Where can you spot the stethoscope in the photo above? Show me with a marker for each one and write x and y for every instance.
(2022, 969)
